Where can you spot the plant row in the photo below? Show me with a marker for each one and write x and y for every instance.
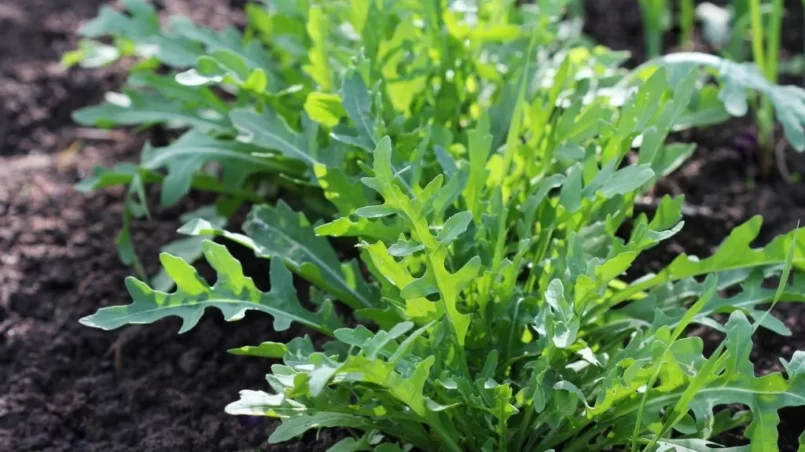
(455, 184)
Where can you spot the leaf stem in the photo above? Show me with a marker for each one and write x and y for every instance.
(513, 135)
(687, 21)
(447, 439)
(432, 246)
(652, 13)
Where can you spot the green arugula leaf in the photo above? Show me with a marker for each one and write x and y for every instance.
(189, 249)
(358, 105)
(480, 141)
(734, 253)
(318, 55)
(264, 350)
(133, 108)
(297, 426)
(737, 78)
(270, 131)
(325, 109)
(279, 232)
(765, 395)
(340, 190)
(233, 295)
(184, 157)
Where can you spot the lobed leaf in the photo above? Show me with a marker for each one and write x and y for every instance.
(133, 108)
(734, 253)
(233, 295)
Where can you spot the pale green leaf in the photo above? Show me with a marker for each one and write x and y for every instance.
(281, 232)
(184, 157)
(733, 254)
(318, 66)
(358, 105)
(737, 78)
(297, 426)
(270, 131)
(233, 295)
(454, 227)
(133, 108)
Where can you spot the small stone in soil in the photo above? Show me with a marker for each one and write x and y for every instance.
(190, 361)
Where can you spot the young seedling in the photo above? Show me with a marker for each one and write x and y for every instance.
(742, 19)
(766, 53)
(687, 24)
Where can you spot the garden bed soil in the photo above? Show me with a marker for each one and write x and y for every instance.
(61, 388)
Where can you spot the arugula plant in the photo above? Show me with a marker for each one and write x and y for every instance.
(488, 305)
(766, 54)
(493, 217)
(260, 111)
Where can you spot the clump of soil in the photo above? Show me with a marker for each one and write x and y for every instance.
(61, 388)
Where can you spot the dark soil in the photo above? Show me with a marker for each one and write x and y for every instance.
(61, 390)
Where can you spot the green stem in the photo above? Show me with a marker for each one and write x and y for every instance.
(687, 21)
(773, 41)
(503, 428)
(447, 439)
(652, 13)
(552, 440)
(513, 332)
(523, 429)
(758, 52)
(766, 52)
(513, 136)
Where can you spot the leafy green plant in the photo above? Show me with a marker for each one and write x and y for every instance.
(656, 16)
(713, 104)
(209, 157)
(742, 22)
(762, 21)
(264, 109)
(727, 29)
(687, 23)
(766, 53)
(493, 216)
